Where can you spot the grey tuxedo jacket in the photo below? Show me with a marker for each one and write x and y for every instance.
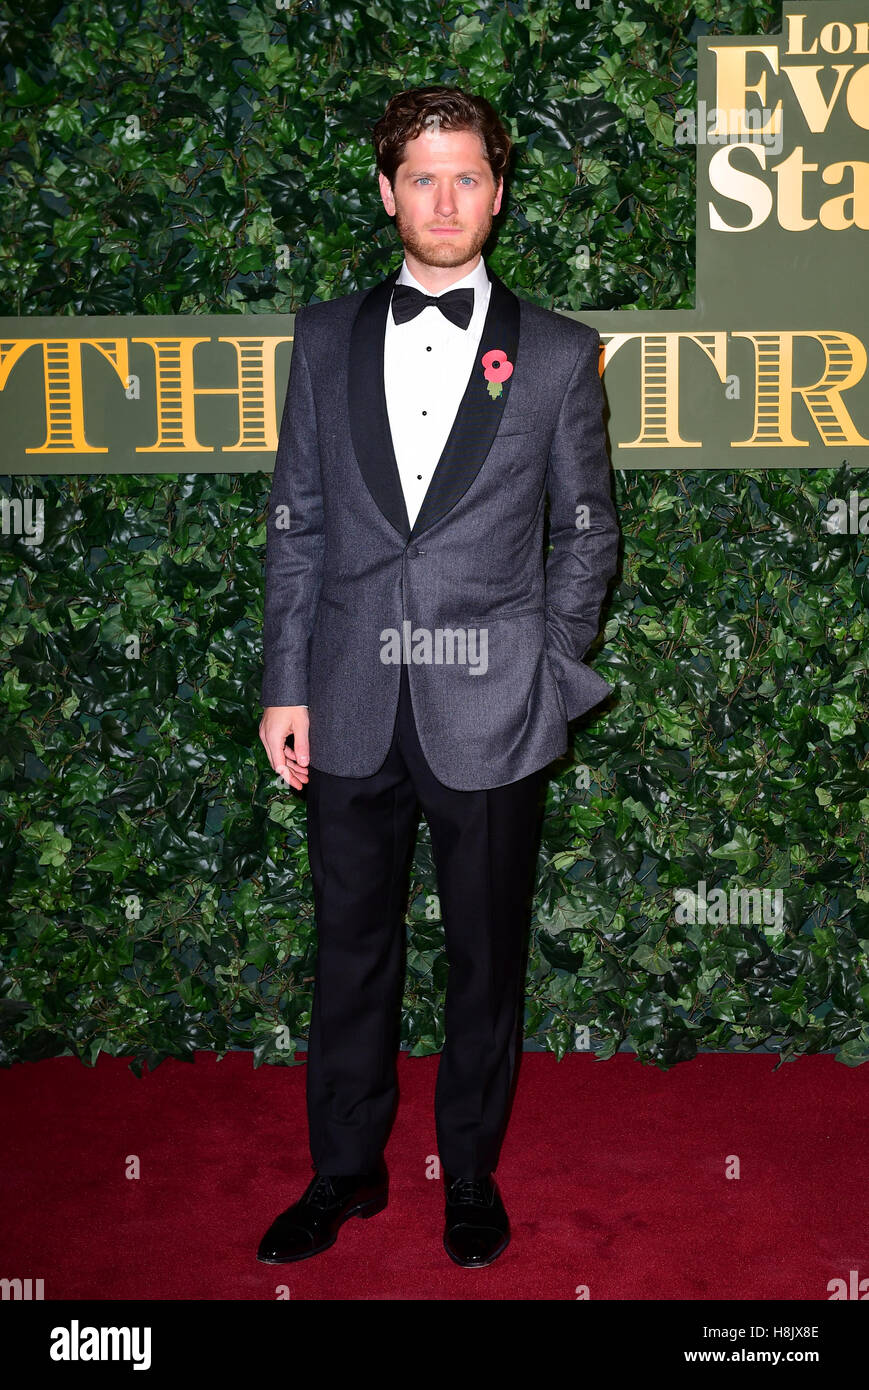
(492, 637)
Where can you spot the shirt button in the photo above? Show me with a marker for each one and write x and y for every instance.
(428, 349)
(425, 412)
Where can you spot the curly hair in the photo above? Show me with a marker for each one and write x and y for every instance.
(408, 113)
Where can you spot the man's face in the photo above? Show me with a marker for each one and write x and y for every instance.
(445, 197)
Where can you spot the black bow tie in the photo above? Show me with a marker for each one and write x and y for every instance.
(457, 305)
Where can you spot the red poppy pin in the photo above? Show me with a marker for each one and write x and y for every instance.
(497, 368)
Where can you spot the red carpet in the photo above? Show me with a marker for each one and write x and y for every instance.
(613, 1174)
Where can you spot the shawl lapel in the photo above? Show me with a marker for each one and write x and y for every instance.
(474, 427)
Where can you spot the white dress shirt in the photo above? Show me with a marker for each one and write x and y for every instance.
(426, 365)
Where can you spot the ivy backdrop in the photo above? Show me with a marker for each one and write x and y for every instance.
(202, 158)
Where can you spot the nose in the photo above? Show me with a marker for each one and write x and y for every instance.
(446, 205)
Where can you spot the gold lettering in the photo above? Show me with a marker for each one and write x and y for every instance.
(845, 365)
(256, 367)
(176, 395)
(833, 214)
(857, 97)
(795, 37)
(659, 384)
(740, 186)
(836, 37)
(807, 90)
(732, 87)
(64, 394)
(789, 176)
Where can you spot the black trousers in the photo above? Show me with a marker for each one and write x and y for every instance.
(361, 833)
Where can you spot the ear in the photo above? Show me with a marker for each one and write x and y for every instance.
(496, 206)
(386, 194)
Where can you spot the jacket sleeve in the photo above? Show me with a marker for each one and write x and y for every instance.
(583, 529)
(295, 539)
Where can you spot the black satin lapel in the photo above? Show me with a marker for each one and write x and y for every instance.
(369, 417)
(478, 416)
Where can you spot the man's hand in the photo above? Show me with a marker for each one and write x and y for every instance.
(276, 726)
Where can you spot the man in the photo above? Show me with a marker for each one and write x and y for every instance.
(409, 618)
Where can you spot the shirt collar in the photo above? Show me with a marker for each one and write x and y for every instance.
(476, 279)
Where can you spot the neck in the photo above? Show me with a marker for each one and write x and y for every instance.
(437, 278)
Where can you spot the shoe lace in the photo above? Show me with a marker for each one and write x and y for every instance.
(321, 1192)
(474, 1190)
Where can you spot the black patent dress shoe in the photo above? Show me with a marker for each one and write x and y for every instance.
(312, 1224)
(476, 1229)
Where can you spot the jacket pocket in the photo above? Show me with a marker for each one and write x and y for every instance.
(498, 617)
(524, 424)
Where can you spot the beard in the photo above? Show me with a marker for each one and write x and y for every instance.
(443, 251)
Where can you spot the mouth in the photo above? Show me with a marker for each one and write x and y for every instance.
(446, 231)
